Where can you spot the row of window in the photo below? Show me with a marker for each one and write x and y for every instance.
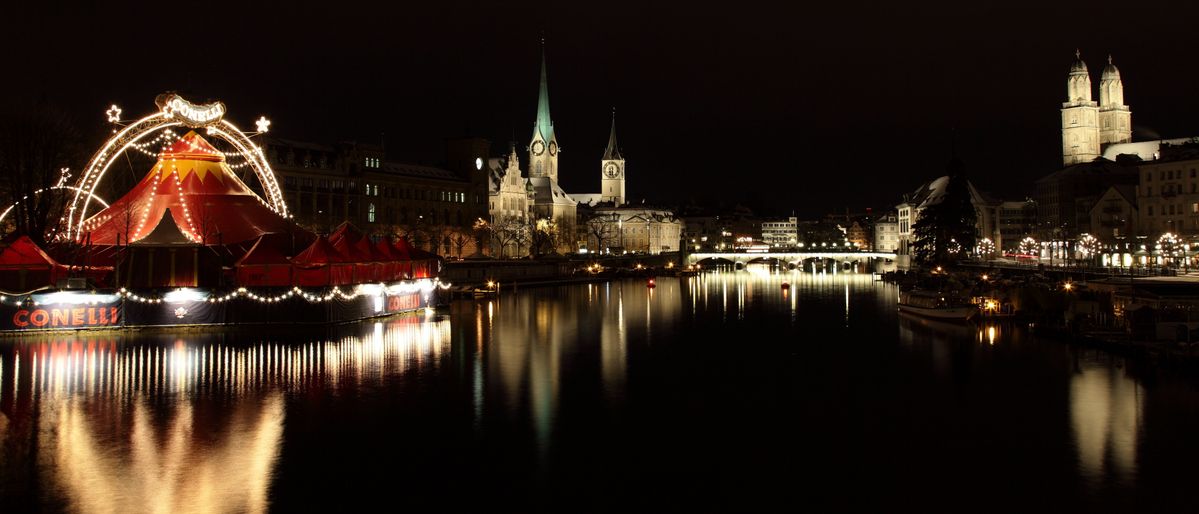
(337, 186)
(1166, 174)
(372, 216)
(324, 184)
(1174, 209)
(371, 162)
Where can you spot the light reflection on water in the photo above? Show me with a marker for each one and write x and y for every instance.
(187, 423)
(202, 421)
(1105, 415)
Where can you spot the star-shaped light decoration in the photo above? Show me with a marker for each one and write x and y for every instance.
(114, 113)
(263, 124)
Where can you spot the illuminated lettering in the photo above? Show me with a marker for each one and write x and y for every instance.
(19, 319)
(192, 114)
(39, 318)
(403, 303)
(76, 317)
(91, 316)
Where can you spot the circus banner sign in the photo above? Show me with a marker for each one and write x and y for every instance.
(63, 310)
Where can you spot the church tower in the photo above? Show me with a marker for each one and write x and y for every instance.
(612, 170)
(1115, 119)
(543, 148)
(1080, 117)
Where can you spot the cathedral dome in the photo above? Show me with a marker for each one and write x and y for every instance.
(1078, 66)
(1110, 72)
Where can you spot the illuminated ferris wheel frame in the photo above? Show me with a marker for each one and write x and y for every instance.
(173, 111)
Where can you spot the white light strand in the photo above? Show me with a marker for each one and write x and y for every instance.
(169, 116)
(423, 285)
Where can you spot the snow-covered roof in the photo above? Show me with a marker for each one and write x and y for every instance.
(932, 193)
(1146, 150)
(548, 191)
(587, 198)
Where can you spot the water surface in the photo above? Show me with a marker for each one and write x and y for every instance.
(719, 392)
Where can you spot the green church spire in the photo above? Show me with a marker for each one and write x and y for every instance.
(544, 126)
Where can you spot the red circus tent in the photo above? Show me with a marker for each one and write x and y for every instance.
(424, 264)
(264, 265)
(321, 264)
(397, 265)
(207, 200)
(26, 266)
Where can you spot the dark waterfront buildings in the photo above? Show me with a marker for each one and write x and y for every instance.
(434, 205)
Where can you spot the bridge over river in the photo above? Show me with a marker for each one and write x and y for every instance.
(798, 259)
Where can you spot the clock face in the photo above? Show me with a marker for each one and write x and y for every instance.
(553, 148)
(611, 170)
(538, 147)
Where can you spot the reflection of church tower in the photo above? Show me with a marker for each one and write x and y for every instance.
(1115, 119)
(543, 148)
(1080, 123)
(612, 170)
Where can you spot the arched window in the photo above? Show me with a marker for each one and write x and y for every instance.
(370, 213)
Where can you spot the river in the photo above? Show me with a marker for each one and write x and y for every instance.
(717, 392)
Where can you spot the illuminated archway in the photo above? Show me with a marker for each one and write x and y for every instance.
(4, 214)
(173, 111)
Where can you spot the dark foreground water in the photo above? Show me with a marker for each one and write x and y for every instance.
(721, 392)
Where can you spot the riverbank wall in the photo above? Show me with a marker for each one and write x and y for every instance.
(473, 273)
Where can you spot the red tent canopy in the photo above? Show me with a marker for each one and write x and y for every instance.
(320, 264)
(424, 264)
(206, 199)
(264, 265)
(345, 230)
(397, 266)
(24, 266)
(24, 252)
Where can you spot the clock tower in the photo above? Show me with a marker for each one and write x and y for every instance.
(612, 170)
(543, 148)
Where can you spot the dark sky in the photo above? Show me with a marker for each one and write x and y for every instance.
(786, 106)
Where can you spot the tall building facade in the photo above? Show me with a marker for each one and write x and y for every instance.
(781, 234)
(1088, 125)
(434, 207)
(612, 170)
(886, 233)
(550, 202)
(1168, 192)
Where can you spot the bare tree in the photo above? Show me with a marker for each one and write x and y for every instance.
(602, 227)
(439, 238)
(37, 140)
(508, 232)
(545, 236)
(460, 239)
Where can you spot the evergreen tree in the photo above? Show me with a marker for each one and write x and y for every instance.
(946, 229)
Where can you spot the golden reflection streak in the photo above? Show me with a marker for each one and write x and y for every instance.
(106, 450)
(1105, 412)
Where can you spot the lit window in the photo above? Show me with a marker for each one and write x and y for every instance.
(370, 213)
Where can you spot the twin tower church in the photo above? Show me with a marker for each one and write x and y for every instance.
(1087, 126)
(596, 222)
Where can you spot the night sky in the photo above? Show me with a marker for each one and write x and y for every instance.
(786, 108)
